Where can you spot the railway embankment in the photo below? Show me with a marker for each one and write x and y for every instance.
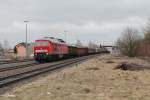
(105, 77)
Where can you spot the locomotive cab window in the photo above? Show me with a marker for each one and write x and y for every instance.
(41, 43)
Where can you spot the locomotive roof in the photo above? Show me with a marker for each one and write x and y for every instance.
(54, 40)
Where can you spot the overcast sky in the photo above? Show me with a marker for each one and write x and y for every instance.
(100, 21)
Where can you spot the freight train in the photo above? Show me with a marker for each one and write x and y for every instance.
(50, 48)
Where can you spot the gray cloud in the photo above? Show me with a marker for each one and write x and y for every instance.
(100, 21)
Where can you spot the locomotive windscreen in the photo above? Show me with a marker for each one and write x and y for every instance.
(41, 43)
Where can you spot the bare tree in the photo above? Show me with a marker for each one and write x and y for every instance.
(92, 45)
(1, 47)
(6, 45)
(128, 42)
(78, 43)
(147, 31)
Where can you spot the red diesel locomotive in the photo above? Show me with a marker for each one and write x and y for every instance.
(49, 48)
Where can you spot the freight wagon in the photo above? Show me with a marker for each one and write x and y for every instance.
(77, 51)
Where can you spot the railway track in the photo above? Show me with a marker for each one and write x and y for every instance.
(48, 67)
(2, 69)
(14, 61)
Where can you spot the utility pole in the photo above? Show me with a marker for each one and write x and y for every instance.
(26, 38)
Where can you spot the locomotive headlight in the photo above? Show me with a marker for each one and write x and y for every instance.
(41, 51)
(46, 53)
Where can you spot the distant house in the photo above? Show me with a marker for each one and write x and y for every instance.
(20, 50)
(8, 53)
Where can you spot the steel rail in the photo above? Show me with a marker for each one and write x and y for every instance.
(13, 61)
(17, 67)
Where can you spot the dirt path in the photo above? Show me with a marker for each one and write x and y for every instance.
(95, 79)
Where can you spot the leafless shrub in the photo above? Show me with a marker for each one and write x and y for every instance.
(92, 45)
(147, 32)
(128, 42)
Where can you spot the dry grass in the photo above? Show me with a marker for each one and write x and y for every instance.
(92, 80)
